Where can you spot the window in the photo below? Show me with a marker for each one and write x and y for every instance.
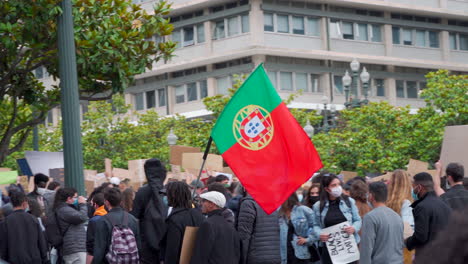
(314, 81)
(200, 33)
(420, 38)
(338, 84)
(407, 37)
(203, 89)
(355, 31)
(139, 102)
(433, 39)
(411, 89)
(245, 23)
(150, 99)
(400, 89)
(161, 97)
(176, 37)
(268, 22)
(233, 26)
(298, 25)
(463, 41)
(272, 76)
(379, 87)
(396, 35)
(453, 41)
(192, 94)
(376, 33)
(283, 23)
(286, 81)
(348, 31)
(180, 94)
(223, 84)
(313, 26)
(219, 30)
(362, 32)
(188, 36)
(415, 37)
(301, 81)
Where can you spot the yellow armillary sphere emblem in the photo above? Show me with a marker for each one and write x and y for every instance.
(253, 127)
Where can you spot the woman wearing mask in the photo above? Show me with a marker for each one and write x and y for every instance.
(399, 200)
(296, 222)
(72, 224)
(332, 209)
(312, 195)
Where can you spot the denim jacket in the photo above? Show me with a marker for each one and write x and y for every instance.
(351, 214)
(302, 218)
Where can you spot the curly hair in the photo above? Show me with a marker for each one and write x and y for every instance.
(399, 189)
(178, 195)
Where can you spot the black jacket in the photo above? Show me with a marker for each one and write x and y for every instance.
(22, 240)
(103, 234)
(431, 215)
(456, 197)
(176, 223)
(217, 242)
(259, 234)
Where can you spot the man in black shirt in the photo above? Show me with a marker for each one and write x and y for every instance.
(456, 197)
(21, 238)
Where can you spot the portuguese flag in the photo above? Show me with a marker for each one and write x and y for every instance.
(263, 144)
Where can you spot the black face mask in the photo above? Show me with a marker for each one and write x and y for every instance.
(313, 199)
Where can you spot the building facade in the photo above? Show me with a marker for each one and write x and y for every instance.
(304, 45)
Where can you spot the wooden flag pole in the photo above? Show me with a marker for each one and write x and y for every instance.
(205, 155)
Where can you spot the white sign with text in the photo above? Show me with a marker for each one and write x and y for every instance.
(341, 246)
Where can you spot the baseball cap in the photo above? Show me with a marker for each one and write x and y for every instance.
(214, 197)
(114, 180)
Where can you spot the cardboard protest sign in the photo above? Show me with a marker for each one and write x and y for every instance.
(58, 175)
(136, 169)
(454, 146)
(348, 175)
(341, 246)
(42, 161)
(108, 167)
(175, 153)
(194, 161)
(89, 186)
(30, 184)
(384, 177)
(23, 180)
(188, 243)
(416, 166)
(4, 169)
(120, 173)
(8, 177)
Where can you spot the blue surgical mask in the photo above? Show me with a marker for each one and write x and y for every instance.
(165, 200)
(75, 201)
(300, 197)
(414, 195)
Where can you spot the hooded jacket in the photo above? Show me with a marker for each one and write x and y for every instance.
(72, 223)
(259, 233)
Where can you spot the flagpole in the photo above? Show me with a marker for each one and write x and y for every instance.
(207, 149)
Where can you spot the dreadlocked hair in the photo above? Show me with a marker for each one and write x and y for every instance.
(178, 195)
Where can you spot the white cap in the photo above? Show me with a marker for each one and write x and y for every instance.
(114, 180)
(214, 197)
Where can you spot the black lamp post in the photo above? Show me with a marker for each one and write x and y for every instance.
(353, 101)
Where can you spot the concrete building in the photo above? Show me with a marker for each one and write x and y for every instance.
(304, 45)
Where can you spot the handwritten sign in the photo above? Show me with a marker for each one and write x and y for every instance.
(341, 246)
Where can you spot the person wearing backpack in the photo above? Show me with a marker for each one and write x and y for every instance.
(150, 210)
(21, 238)
(181, 216)
(71, 225)
(117, 237)
(332, 209)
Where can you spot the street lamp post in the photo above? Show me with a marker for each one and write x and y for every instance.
(352, 102)
(309, 129)
(172, 138)
(72, 148)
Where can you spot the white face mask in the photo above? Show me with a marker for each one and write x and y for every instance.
(41, 191)
(336, 192)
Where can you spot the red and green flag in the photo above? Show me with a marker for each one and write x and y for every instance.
(263, 144)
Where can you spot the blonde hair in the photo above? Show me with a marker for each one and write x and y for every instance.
(399, 189)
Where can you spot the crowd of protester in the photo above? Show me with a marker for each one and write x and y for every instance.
(117, 224)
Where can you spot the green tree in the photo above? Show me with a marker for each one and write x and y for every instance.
(112, 46)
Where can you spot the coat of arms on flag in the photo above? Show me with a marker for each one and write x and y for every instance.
(253, 127)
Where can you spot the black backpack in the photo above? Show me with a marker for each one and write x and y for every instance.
(53, 232)
(154, 222)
